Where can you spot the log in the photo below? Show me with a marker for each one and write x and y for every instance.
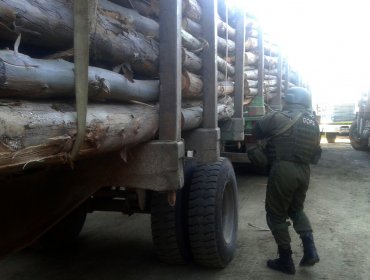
(112, 42)
(224, 67)
(250, 59)
(221, 76)
(196, 45)
(192, 116)
(190, 42)
(192, 85)
(24, 77)
(223, 45)
(192, 10)
(223, 29)
(192, 27)
(43, 133)
(270, 83)
(251, 44)
(130, 18)
(251, 74)
(145, 8)
(225, 88)
(251, 83)
(250, 91)
(191, 62)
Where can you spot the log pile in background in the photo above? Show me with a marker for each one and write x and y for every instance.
(37, 115)
(271, 58)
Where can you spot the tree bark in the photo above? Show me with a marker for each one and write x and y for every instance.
(192, 10)
(191, 62)
(145, 8)
(192, 116)
(50, 24)
(190, 42)
(224, 67)
(32, 133)
(223, 45)
(251, 59)
(251, 83)
(223, 27)
(130, 18)
(24, 77)
(251, 44)
(192, 27)
(225, 88)
(41, 134)
(192, 85)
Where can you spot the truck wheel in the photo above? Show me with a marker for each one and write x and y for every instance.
(330, 137)
(356, 142)
(66, 231)
(213, 214)
(169, 223)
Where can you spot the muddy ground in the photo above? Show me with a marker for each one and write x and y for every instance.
(113, 246)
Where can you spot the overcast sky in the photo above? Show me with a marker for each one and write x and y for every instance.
(326, 40)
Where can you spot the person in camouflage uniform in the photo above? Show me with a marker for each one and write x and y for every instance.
(289, 155)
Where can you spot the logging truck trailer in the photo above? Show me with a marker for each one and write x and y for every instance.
(359, 133)
(178, 177)
(262, 93)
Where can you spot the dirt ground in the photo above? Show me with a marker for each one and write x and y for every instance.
(113, 246)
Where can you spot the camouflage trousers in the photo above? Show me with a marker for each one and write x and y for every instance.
(285, 195)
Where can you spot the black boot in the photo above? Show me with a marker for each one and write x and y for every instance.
(284, 263)
(310, 256)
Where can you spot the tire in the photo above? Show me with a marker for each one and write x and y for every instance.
(213, 214)
(66, 231)
(169, 223)
(356, 142)
(330, 137)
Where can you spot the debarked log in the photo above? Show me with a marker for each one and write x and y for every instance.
(25, 77)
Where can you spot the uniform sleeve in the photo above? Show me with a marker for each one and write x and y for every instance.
(264, 127)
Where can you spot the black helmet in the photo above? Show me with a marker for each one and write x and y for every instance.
(298, 95)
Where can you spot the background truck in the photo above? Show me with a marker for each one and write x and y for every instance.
(336, 119)
(359, 133)
(127, 106)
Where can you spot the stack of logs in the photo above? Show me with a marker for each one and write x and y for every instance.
(37, 112)
(271, 60)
